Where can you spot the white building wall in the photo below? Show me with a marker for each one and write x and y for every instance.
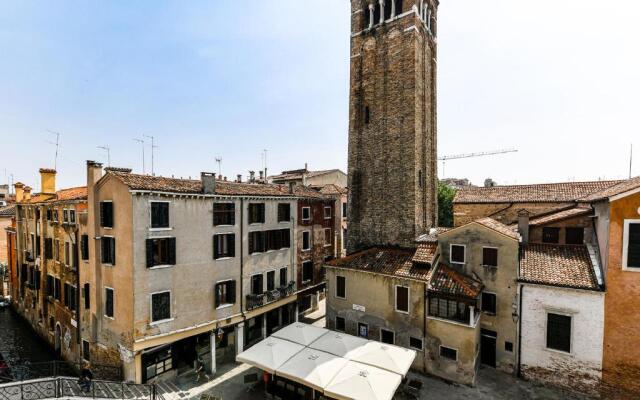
(584, 363)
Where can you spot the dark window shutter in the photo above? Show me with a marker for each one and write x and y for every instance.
(252, 243)
(149, 246)
(172, 251)
(84, 246)
(102, 211)
(218, 300)
(215, 247)
(232, 292)
(112, 256)
(231, 244)
(633, 247)
(87, 296)
(262, 213)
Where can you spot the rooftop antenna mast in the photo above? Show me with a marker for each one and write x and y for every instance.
(470, 155)
(57, 144)
(630, 160)
(219, 161)
(153, 147)
(108, 150)
(141, 141)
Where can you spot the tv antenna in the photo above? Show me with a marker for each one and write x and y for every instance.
(108, 150)
(153, 147)
(219, 161)
(141, 141)
(444, 159)
(57, 144)
(630, 160)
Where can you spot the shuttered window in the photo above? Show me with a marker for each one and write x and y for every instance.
(271, 280)
(284, 212)
(106, 214)
(224, 246)
(256, 242)
(224, 214)
(159, 214)
(256, 284)
(84, 246)
(550, 235)
(283, 276)
(559, 332)
(225, 293)
(402, 298)
(161, 251)
(256, 213)
(108, 250)
(108, 302)
(160, 306)
(341, 289)
(307, 271)
(48, 248)
(574, 235)
(87, 296)
(489, 257)
(633, 245)
(306, 240)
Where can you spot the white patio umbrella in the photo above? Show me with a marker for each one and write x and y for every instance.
(386, 356)
(339, 344)
(300, 333)
(312, 368)
(269, 354)
(363, 382)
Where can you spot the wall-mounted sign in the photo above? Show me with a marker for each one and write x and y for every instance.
(358, 307)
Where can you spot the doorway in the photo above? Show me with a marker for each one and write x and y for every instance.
(488, 347)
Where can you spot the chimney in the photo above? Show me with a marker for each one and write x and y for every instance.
(252, 176)
(239, 178)
(523, 225)
(94, 173)
(304, 177)
(261, 175)
(292, 187)
(27, 193)
(47, 180)
(19, 187)
(219, 177)
(208, 182)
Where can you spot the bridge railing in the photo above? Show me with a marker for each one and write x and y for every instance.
(27, 370)
(53, 388)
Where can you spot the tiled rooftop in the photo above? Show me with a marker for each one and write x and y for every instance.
(546, 192)
(425, 253)
(7, 211)
(558, 265)
(69, 194)
(498, 227)
(560, 216)
(446, 280)
(620, 188)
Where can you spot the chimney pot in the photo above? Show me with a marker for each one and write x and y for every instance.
(48, 180)
(208, 182)
(252, 176)
(523, 225)
(19, 188)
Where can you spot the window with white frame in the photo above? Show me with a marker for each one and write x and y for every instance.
(457, 253)
(402, 299)
(631, 245)
(306, 213)
(328, 236)
(306, 240)
(327, 212)
(160, 306)
(159, 214)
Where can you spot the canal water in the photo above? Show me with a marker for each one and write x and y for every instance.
(19, 344)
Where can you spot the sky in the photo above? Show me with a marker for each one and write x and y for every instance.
(558, 80)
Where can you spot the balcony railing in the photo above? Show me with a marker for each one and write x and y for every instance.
(259, 300)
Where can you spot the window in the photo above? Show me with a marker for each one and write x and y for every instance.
(256, 242)
(283, 276)
(70, 293)
(225, 293)
(87, 296)
(387, 9)
(489, 303)
(224, 214)
(327, 212)
(340, 324)
(367, 113)
(55, 215)
(550, 235)
(508, 346)
(449, 353)
(84, 246)
(449, 309)
(631, 244)
(402, 299)
(415, 343)
(489, 257)
(65, 215)
(559, 332)
(161, 251)
(108, 302)
(256, 284)
(341, 287)
(306, 213)
(457, 254)
(306, 240)
(363, 330)
(86, 355)
(49, 288)
(344, 238)
(307, 271)
(271, 280)
(106, 214)
(387, 337)
(159, 214)
(160, 306)
(344, 210)
(67, 258)
(72, 216)
(48, 248)
(224, 246)
(327, 237)
(108, 250)
(57, 289)
(284, 212)
(574, 235)
(256, 213)
(56, 250)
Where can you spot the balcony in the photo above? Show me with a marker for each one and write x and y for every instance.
(258, 300)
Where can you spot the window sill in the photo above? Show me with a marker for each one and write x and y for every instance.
(306, 249)
(224, 258)
(162, 321)
(451, 322)
(490, 266)
(559, 352)
(458, 262)
(491, 314)
(107, 265)
(631, 269)
(107, 227)
(162, 266)
(223, 225)
(108, 317)
(223, 306)
(168, 228)
(402, 312)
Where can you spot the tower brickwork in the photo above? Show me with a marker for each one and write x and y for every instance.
(392, 122)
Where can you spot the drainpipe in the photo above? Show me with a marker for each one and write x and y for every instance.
(424, 339)
(242, 258)
(520, 333)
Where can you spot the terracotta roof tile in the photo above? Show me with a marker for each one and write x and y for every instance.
(386, 261)
(498, 227)
(560, 216)
(8, 211)
(546, 192)
(77, 193)
(448, 281)
(425, 253)
(332, 189)
(558, 265)
(614, 190)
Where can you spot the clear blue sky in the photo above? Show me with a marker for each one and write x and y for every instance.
(558, 80)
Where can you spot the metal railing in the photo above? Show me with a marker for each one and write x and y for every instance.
(259, 300)
(52, 388)
(27, 370)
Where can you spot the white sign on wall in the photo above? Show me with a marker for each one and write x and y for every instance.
(358, 307)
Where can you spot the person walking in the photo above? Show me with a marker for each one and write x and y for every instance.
(86, 376)
(200, 369)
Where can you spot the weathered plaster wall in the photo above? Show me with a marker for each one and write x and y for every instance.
(465, 339)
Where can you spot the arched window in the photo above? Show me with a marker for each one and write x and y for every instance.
(398, 7)
(387, 9)
(367, 16)
(376, 13)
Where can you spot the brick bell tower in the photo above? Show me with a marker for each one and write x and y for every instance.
(392, 122)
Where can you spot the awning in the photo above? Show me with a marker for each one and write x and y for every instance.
(313, 368)
(339, 344)
(300, 333)
(359, 381)
(270, 353)
(386, 356)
